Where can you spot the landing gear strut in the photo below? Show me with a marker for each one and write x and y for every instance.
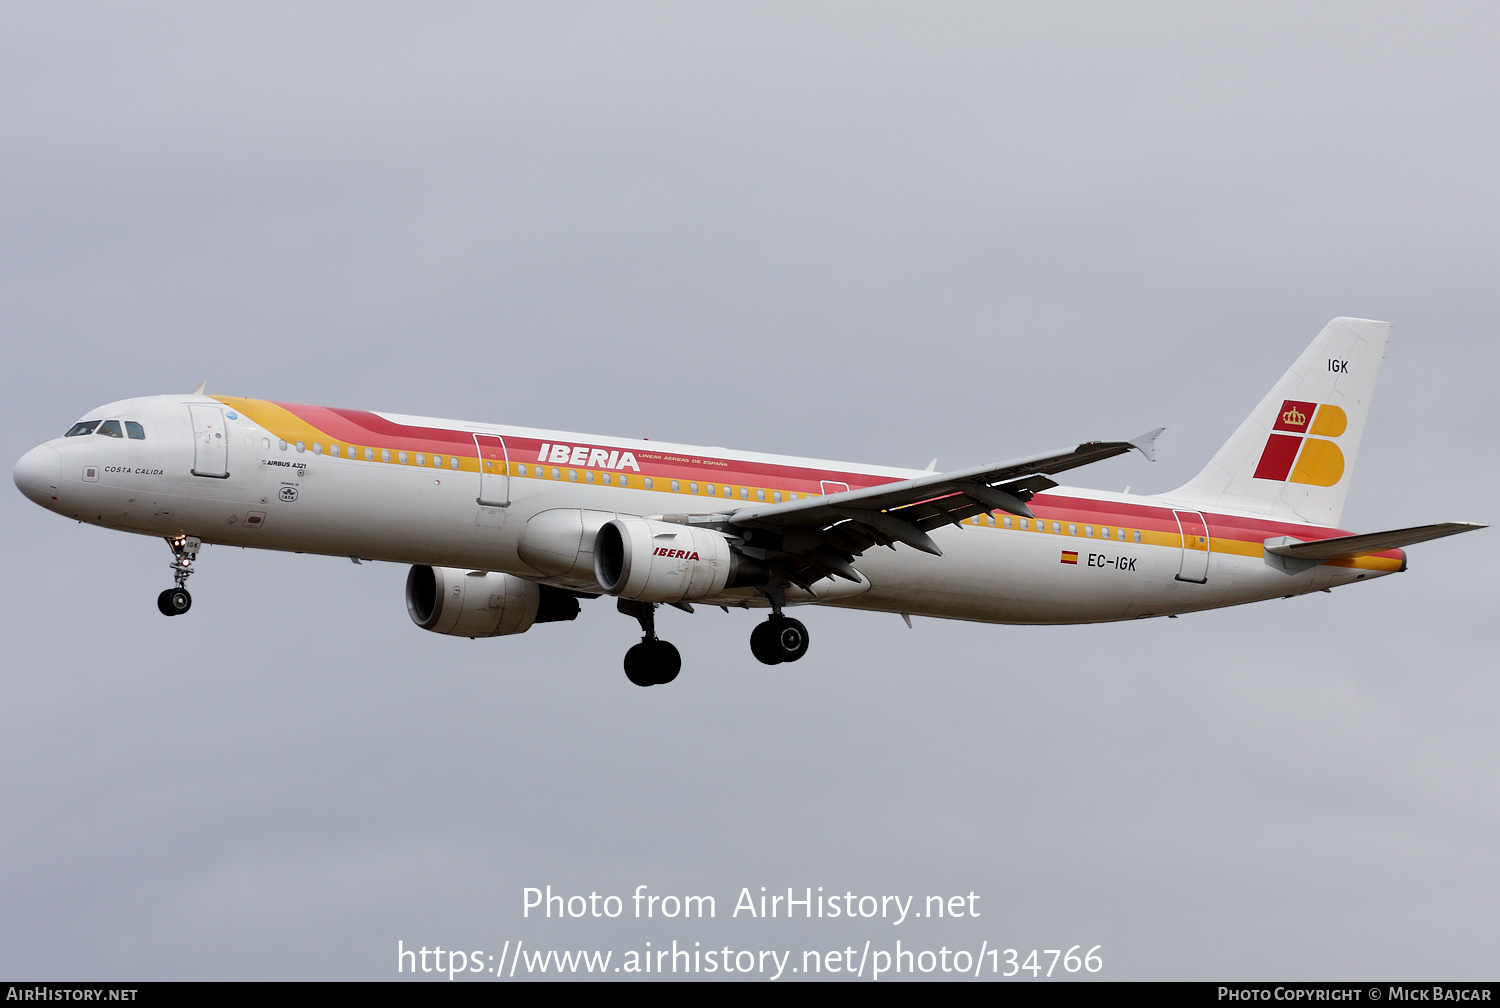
(780, 638)
(176, 601)
(652, 662)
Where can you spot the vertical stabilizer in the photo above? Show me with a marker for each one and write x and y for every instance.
(1292, 458)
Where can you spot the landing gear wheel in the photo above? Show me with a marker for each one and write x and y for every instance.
(779, 639)
(174, 602)
(763, 644)
(652, 663)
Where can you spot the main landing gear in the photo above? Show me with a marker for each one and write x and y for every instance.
(176, 601)
(780, 638)
(652, 662)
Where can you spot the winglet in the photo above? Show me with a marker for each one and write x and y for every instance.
(1146, 443)
(201, 386)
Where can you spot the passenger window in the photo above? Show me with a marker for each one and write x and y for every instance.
(676, 486)
(283, 446)
(1137, 535)
(692, 488)
(760, 495)
(520, 470)
(710, 489)
(791, 496)
(624, 480)
(648, 482)
(421, 458)
(265, 442)
(333, 450)
(385, 454)
(1057, 528)
(573, 475)
(317, 447)
(1072, 528)
(1007, 521)
(111, 428)
(301, 446)
(138, 433)
(453, 462)
(744, 493)
(1088, 530)
(1024, 524)
(776, 496)
(556, 473)
(369, 454)
(605, 478)
(81, 428)
(403, 457)
(991, 520)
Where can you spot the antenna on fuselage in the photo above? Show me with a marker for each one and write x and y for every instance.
(201, 386)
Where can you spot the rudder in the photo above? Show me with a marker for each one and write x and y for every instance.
(1293, 456)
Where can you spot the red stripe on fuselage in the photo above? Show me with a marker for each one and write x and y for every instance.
(364, 428)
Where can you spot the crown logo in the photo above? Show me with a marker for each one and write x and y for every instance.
(1294, 417)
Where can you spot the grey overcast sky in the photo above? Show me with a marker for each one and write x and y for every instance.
(877, 232)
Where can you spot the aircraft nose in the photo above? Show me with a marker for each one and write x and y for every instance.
(38, 474)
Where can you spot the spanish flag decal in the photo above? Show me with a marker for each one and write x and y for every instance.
(1069, 557)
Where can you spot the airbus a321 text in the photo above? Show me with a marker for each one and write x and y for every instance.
(507, 527)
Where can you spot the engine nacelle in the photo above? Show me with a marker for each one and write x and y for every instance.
(652, 561)
(482, 603)
(560, 542)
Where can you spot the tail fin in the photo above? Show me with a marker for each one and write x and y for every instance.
(1292, 457)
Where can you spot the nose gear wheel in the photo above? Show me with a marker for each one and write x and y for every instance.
(174, 601)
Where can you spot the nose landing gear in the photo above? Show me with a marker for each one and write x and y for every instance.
(176, 601)
(652, 662)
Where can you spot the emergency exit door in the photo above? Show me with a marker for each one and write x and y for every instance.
(1194, 546)
(494, 470)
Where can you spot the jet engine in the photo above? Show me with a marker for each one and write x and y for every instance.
(482, 603)
(653, 561)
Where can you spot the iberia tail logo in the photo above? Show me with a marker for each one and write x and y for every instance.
(1315, 459)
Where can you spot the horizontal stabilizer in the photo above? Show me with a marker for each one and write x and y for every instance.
(1348, 547)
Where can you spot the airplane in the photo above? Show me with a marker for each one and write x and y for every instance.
(507, 527)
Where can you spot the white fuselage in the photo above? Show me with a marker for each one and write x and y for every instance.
(1133, 556)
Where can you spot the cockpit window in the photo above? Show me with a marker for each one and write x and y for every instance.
(135, 430)
(111, 428)
(82, 427)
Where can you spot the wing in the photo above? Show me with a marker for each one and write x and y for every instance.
(815, 537)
